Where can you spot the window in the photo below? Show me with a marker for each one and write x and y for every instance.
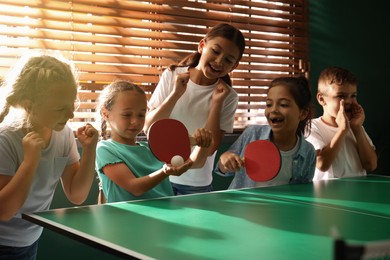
(137, 40)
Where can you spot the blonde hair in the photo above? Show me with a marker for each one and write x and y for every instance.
(108, 96)
(30, 80)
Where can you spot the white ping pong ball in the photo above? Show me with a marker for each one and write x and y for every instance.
(177, 160)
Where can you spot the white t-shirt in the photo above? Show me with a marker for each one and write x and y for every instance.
(192, 110)
(62, 151)
(347, 163)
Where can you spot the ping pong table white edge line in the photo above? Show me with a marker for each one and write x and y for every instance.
(84, 236)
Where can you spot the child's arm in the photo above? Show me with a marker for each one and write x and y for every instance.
(121, 175)
(166, 107)
(327, 154)
(366, 152)
(14, 190)
(204, 141)
(78, 177)
(214, 117)
(230, 162)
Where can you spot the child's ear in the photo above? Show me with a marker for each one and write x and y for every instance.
(104, 113)
(304, 114)
(320, 99)
(201, 45)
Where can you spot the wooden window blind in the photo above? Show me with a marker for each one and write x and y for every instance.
(137, 40)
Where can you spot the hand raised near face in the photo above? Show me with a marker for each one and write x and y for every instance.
(87, 135)
(356, 115)
(221, 91)
(181, 83)
(33, 144)
(341, 117)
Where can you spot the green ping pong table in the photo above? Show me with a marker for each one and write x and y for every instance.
(280, 222)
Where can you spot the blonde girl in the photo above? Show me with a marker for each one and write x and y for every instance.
(37, 149)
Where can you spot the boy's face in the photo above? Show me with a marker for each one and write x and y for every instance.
(331, 97)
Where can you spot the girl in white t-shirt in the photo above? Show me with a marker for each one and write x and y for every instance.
(198, 92)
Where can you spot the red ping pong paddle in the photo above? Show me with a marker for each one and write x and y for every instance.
(169, 138)
(262, 160)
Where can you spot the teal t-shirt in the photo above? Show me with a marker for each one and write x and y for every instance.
(140, 161)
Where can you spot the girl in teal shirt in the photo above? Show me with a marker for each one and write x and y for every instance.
(127, 169)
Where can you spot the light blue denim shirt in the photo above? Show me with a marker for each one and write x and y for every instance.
(304, 160)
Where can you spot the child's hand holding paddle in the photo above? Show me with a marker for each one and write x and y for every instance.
(230, 162)
(202, 137)
(170, 143)
(261, 161)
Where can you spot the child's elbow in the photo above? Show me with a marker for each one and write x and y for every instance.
(5, 216)
(322, 166)
(137, 192)
(77, 201)
(370, 166)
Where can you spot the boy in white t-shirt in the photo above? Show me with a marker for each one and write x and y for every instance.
(343, 147)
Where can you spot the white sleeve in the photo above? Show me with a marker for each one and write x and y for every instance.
(228, 112)
(163, 89)
(315, 137)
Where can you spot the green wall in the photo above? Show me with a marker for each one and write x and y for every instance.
(353, 34)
